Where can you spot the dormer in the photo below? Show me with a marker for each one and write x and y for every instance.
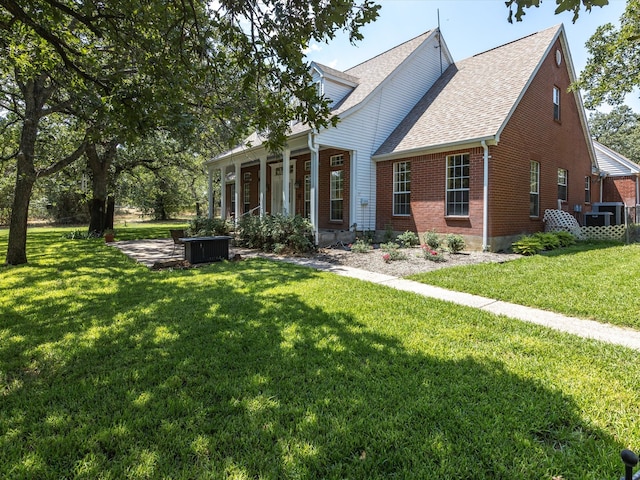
(332, 84)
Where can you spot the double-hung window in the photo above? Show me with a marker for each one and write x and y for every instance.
(458, 185)
(534, 190)
(246, 193)
(562, 184)
(307, 196)
(336, 188)
(402, 188)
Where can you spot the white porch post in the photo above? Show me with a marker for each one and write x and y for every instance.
(286, 174)
(263, 186)
(210, 192)
(237, 192)
(313, 188)
(223, 193)
(354, 201)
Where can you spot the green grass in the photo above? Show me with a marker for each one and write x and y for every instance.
(597, 281)
(266, 370)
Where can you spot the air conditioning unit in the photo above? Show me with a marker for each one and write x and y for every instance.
(615, 208)
(597, 219)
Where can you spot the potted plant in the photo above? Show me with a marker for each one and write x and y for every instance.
(109, 235)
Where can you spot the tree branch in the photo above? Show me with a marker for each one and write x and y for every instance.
(56, 167)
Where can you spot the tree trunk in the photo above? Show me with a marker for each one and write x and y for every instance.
(26, 177)
(99, 166)
(111, 209)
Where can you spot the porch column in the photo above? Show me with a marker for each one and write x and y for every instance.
(223, 193)
(354, 201)
(286, 174)
(313, 188)
(263, 186)
(210, 193)
(237, 211)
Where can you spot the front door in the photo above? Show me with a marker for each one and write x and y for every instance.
(276, 188)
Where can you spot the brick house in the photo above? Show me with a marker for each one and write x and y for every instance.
(619, 177)
(479, 147)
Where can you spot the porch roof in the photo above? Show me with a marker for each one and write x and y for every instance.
(613, 163)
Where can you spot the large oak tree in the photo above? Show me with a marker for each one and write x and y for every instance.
(126, 67)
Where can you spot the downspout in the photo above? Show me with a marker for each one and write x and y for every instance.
(485, 199)
(314, 149)
(602, 177)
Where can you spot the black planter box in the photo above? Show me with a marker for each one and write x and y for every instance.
(206, 249)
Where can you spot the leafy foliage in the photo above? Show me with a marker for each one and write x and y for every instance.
(206, 227)
(408, 239)
(276, 233)
(361, 246)
(619, 130)
(393, 251)
(454, 243)
(613, 67)
(432, 239)
(528, 245)
(574, 6)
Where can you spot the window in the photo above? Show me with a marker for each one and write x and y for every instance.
(534, 190)
(247, 176)
(458, 185)
(562, 184)
(307, 165)
(307, 196)
(587, 189)
(336, 196)
(336, 160)
(556, 103)
(233, 198)
(402, 188)
(246, 195)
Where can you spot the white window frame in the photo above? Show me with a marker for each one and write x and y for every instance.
(336, 196)
(534, 189)
(587, 189)
(246, 196)
(556, 103)
(402, 189)
(563, 184)
(336, 160)
(307, 196)
(458, 185)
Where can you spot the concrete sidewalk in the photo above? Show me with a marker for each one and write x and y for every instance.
(149, 252)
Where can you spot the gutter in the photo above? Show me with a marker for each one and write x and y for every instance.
(485, 199)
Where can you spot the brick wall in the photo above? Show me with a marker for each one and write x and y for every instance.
(619, 189)
(531, 134)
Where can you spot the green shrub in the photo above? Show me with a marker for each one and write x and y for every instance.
(528, 245)
(408, 239)
(432, 255)
(432, 239)
(276, 233)
(454, 243)
(549, 240)
(388, 233)
(207, 227)
(80, 235)
(566, 238)
(393, 251)
(361, 246)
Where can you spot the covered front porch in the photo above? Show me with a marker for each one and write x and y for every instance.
(306, 179)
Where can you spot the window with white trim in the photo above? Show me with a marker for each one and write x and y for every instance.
(307, 196)
(246, 194)
(534, 190)
(556, 104)
(336, 214)
(458, 185)
(402, 188)
(562, 184)
(336, 160)
(587, 189)
(307, 165)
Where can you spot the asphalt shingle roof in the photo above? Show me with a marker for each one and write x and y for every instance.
(473, 97)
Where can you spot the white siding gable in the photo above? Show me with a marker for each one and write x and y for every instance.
(364, 129)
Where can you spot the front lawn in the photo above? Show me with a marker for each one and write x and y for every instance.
(259, 369)
(597, 281)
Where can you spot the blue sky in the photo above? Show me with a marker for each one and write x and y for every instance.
(468, 27)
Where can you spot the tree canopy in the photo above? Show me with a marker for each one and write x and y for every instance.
(123, 69)
(618, 130)
(574, 6)
(613, 67)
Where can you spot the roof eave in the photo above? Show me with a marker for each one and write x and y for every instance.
(490, 140)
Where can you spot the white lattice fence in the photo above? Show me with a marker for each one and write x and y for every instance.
(609, 232)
